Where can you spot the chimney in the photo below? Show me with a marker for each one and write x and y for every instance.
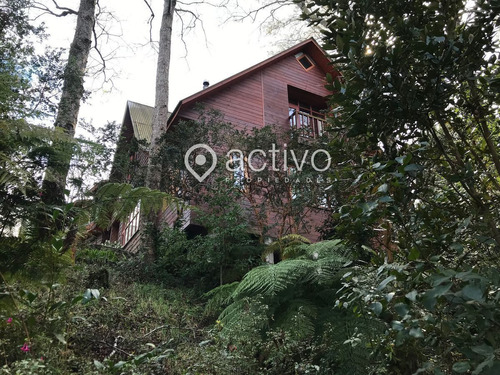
(205, 84)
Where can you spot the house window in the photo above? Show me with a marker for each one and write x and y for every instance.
(132, 225)
(305, 61)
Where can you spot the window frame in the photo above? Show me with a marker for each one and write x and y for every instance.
(301, 55)
(132, 225)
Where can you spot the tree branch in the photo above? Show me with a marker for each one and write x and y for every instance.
(186, 27)
(96, 47)
(150, 20)
(253, 14)
(46, 10)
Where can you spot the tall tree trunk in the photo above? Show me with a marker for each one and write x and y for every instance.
(159, 125)
(161, 95)
(69, 105)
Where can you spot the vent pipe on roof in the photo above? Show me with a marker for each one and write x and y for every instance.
(205, 84)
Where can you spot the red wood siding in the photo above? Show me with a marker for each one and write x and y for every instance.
(276, 80)
(241, 103)
(262, 98)
(310, 220)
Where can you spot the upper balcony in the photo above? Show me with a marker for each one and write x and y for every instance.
(309, 123)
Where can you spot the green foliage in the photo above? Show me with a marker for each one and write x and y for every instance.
(92, 158)
(23, 152)
(110, 367)
(272, 279)
(219, 298)
(222, 252)
(228, 245)
(14, 253)
(437, 318)
(416, 180)
(419, 120)
(30, 85)
(34, 320)
(97, 255)
(412, 83)
(29, 82)
(27, 366)
(46, 260)
(130, 328)
(287, 246)
(287, 286)
(29, 257)
(286, 315)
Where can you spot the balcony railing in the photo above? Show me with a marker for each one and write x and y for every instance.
(309, 125)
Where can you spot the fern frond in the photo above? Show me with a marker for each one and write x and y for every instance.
(294, 251)
(324, 249)
(326, 270)
(30, 134)
(299, 318)
(219, 298)
(245, 316)
(286, 246)
(272, 279)
(295, 295)
(11, 175)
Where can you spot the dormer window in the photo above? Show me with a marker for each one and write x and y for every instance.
(305, 61)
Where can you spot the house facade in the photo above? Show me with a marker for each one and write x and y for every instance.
(286, 91)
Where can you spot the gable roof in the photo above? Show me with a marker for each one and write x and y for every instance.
(141, 117)
(309, 46)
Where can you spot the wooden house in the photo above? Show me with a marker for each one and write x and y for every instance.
(286, 90)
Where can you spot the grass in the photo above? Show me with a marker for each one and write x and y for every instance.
(131, 318)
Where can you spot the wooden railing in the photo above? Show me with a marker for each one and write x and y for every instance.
(309, 125)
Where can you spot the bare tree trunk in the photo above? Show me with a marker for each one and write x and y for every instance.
(161, 97)
(69, 105)
(160, 118)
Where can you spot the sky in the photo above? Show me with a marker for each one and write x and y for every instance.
(213, 52)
